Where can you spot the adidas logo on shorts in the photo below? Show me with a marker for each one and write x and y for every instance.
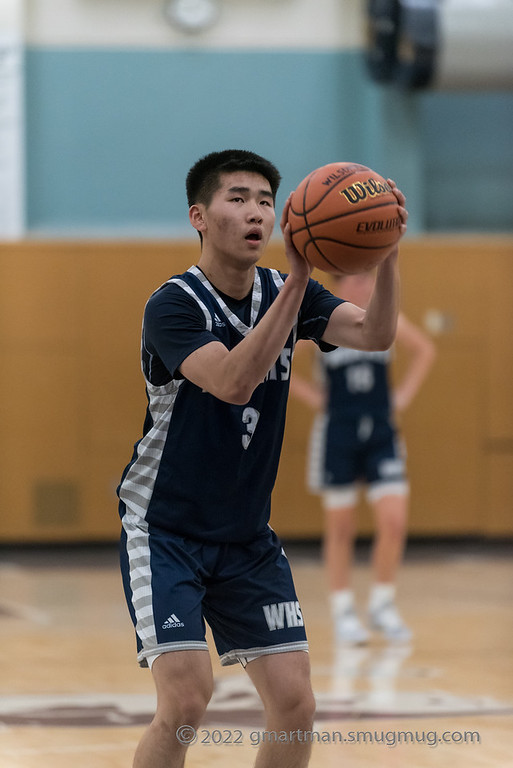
(172, 622)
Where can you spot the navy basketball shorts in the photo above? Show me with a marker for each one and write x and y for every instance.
(244, 592)
(353, 450)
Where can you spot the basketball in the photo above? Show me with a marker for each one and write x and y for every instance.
(344, 218)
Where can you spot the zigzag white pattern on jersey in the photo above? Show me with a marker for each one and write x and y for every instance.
(137, 487)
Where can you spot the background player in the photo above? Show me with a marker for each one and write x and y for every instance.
(195, 499)
(355, 441)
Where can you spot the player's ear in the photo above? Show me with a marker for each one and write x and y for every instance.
(196, 217)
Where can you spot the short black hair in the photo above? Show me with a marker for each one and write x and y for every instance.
(204, 177)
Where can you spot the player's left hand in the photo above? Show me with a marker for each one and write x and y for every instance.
(401, 200)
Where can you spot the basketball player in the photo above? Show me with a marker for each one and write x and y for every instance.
(355, 442)
(217, 345)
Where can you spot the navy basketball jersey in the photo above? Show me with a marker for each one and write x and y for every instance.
(356, 381)
(204, 469)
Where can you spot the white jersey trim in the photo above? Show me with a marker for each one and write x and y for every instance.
(187, 288)
(236, 322)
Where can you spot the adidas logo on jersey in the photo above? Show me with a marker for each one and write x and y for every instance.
(218, 322)
(172, 622)
(278, 615)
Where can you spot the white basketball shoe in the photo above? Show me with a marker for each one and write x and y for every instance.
(349, 630)
(387, 620)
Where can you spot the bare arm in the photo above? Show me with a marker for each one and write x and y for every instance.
(374, 328)
(421, 353)
(309, 390)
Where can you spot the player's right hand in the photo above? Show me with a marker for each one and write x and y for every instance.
(300, 267)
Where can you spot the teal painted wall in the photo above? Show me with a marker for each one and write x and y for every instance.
(111, 135)
(467, 144)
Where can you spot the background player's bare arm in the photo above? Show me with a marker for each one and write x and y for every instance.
(421, 353)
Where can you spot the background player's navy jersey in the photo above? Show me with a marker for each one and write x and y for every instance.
(356, 381)
(355, 439)
(205, 468)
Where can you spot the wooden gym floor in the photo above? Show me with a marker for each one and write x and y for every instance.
(71, 693)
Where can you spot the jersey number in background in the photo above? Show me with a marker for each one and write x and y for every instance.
(359, 378)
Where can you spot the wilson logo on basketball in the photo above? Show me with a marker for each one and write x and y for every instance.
(360, 190)
(341, 173)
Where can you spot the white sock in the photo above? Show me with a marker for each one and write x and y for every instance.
(341, 601)
(380, 594)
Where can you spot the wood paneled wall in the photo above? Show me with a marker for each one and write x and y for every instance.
(72, 396)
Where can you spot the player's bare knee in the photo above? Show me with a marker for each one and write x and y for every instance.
(306, 709)
(183, 693)
(187, 709)
(344, 527)
(193, 708)
(299, 712)
(295, 706)
(394, 526)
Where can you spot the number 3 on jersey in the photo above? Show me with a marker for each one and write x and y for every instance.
(250, 418)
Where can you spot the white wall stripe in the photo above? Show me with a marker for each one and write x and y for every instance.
(248, 25)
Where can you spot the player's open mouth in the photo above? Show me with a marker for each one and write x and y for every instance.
(254, 236)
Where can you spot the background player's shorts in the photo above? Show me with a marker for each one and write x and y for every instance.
(244, 591)
(353, 450)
